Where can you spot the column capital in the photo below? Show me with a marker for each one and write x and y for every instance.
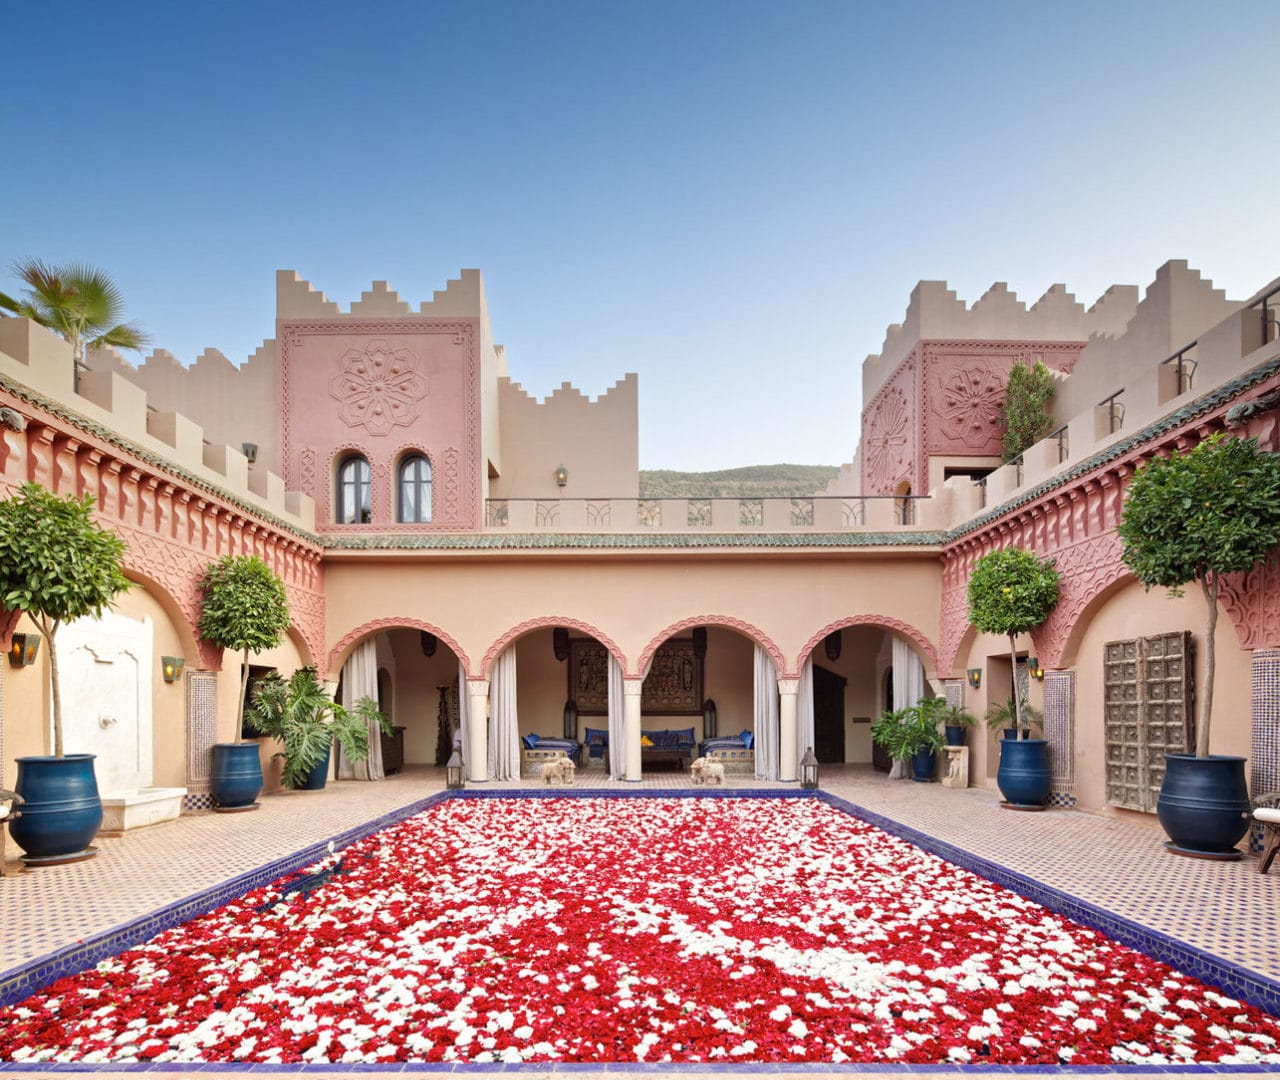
(632, 687)
(789, 686)
(477, 686)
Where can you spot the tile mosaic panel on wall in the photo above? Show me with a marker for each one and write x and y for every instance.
(1264, 747)
(1060, 731)
(202, 733)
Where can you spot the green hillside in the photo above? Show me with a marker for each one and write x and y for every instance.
(749, 482)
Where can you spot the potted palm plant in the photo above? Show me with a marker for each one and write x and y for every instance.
(912, 734)
(244, 608)
(1193, 517)
(56, 564)
(1011, 592)
(1003, 717)
(306, 721)
(956, 719)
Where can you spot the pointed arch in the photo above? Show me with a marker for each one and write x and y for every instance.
(728, 622)
(886, 622)
(550, 620)
(338, 654)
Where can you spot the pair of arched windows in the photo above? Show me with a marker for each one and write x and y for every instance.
(355, 490)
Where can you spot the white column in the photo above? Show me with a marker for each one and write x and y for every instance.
(788, 691)
(478, 716)
(631, 725)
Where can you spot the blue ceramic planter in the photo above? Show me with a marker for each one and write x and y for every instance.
(236, 780)
(954, 734)
(1023, 777)
(1204, 804)
(922, 764)
(62, 811)
(316, 778)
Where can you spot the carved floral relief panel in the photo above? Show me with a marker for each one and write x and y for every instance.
(889, 439)
(382, 385)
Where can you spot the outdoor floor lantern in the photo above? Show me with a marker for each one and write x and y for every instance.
(453, 772)
(809, 771)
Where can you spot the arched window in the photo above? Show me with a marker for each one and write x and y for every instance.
(415, 489)
(355, 499)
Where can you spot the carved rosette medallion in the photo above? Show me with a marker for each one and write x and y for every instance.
(378, 387)
(887, 440)
(969, 405)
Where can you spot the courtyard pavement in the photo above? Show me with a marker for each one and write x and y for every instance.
(1115, 863)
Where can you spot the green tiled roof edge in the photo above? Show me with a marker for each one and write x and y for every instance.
(164, 464)
(602, 541)
(1190, 411)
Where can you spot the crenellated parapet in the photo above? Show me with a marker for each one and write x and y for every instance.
(178, 502)
(936, 313)
(595, 439)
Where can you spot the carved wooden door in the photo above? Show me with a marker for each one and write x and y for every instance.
(828, 716)
(1148, 702)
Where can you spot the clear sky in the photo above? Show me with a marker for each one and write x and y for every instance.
(732, 199)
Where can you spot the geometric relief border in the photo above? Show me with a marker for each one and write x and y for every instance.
(1059, 732)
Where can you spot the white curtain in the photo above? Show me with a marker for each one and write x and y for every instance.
(504, 725)
(804, 711)
(908, 687)
(617, 737)
(360, 680)
(766, 716)
(462, 737)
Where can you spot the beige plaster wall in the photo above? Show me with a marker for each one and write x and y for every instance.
(631, 599)
(1132, 612)
(598, 442)
(415, 700)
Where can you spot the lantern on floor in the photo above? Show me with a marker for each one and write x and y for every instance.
(809, 771)
(453, 772)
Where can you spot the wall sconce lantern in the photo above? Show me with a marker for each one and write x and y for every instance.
(975, 677)
(171, 667)
(562, 476)
(429, 642)
(250, 451)
(23, 650)
(1034, 668)
(453, 772)
(831, 645)
(560, 643)
(809, 771)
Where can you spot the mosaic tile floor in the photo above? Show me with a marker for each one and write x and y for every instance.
(1228, 909)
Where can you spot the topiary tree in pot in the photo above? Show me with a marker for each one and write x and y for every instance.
(57, 564)
(1011, 592)
(1193, 517)
(245, 608)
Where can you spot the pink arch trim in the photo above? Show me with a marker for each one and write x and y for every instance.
(549, 620)
(744, 628)
(886, 621)
(340, 650)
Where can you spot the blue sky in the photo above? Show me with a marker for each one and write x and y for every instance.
(732, 199)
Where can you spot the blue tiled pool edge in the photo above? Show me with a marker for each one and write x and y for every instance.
(1232, 978)
(20, 982)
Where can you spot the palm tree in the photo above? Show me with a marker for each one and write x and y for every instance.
(79, 303)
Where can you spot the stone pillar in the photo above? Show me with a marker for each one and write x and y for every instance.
(1264, 741)
(631, 726)
(478, 733)
(1060, 734)
(788, 697)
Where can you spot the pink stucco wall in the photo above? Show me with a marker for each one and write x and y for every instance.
(384, 389)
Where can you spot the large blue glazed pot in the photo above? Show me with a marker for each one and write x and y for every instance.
(922, 763)
(62, 810)
(954, 734)
(1204, 804)
(236, 780)
(318, 775)
(1023, 776)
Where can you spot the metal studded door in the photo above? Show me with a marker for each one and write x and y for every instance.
(1148, 713)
